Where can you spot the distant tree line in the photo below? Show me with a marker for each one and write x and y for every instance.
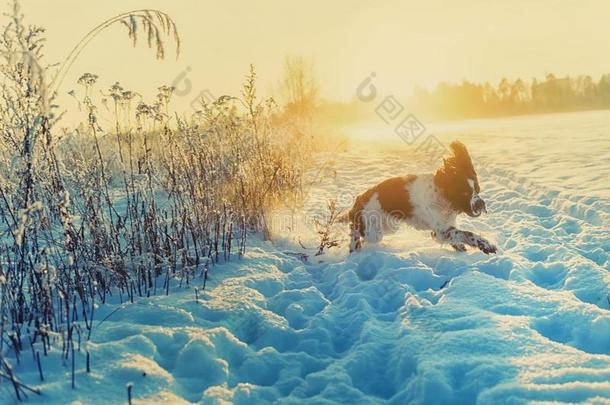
(474, 100)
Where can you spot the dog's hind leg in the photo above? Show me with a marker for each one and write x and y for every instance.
(355, 242)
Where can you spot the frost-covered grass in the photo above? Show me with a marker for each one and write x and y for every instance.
(403, 322)
(95, 214)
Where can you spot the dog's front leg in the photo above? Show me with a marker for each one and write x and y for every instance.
(457, 237)
(459, 247)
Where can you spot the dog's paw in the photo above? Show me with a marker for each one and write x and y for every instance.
(459, 247)
(486, 247)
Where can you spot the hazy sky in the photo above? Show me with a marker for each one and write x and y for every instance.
(404, 42)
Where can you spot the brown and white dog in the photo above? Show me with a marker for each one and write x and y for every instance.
(426, 202)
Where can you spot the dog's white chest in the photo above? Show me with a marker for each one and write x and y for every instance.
(430, 209)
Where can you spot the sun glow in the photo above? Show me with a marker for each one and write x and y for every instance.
(405, 43)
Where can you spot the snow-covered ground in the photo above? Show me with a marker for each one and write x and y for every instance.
(406, 321)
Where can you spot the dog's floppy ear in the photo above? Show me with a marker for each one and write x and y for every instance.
(461, 153)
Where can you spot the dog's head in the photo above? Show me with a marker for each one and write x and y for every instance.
(459, 183)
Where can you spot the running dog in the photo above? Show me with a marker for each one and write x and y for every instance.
(426, 202)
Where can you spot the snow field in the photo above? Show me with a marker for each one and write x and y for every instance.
(406, 321)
